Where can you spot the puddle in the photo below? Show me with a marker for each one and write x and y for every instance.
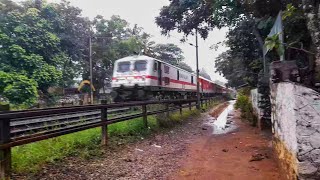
(224, 123)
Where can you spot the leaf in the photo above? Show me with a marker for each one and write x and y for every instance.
(290, 10)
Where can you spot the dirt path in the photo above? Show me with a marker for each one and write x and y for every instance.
(189, 151)
(241, 154)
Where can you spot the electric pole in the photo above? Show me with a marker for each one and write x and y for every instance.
(90, 59)
(198, 83)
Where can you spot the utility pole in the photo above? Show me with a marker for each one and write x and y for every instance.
(90, 59)
(197, 60)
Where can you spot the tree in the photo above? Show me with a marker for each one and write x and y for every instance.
(311, 9)
(28, 45)
(112, 39)
(43, 42)
(187, 15)
(242, 63)
(47, 44)
(259, 15)
(115, 39)
(73, 30)
(169, 53)
(18, 89)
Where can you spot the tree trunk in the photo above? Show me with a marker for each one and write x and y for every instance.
(311, 10)
(258, 37)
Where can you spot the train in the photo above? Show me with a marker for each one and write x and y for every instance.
(142, 77)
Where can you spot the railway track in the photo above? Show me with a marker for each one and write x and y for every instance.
(25, 126)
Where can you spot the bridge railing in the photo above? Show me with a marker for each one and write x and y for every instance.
(27, 126)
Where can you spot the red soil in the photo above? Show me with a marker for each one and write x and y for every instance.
(241, 155)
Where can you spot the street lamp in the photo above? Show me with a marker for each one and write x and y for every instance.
(197, 62)
(90, 59)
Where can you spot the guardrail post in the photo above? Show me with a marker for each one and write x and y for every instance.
(145, 117)
(180, 108)
(206, 103)
(104, 128)
(190, 106)
(201, 103)
(5, 154)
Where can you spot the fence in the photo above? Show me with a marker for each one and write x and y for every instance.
(23, 127)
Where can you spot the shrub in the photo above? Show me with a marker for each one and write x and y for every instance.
(244, 104)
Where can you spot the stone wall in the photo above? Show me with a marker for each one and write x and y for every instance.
(296, 127)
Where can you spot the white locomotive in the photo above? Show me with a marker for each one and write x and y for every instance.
(143, 77)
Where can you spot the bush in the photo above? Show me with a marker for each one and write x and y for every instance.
(244, 104)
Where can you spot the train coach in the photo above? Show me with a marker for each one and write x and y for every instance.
(143, 78)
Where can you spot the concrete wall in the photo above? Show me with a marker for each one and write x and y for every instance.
(296, 128)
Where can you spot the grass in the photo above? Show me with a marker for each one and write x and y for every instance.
(176, 117)
(30, 158)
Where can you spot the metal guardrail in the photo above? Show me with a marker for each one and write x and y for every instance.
(23, 127)
(26, 126)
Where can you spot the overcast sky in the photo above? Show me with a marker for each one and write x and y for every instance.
(143, 13)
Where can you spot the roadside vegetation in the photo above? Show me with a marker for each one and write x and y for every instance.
(85, 144)
(31, 158)
(244, 104)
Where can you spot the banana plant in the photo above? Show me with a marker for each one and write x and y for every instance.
(273, 43)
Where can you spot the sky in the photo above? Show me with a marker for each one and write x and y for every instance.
(143, 13)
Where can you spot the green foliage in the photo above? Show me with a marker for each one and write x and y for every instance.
(115, 39)
(244, 104)
(49, 43)
(169, 53)
(85, 144)
(187, 15)
(290, 10)
(30, 158)
(242, 63)
(175, 117)
(18, 89)
(47, 76)
(273, 43)
(29, 47)
(249, 23)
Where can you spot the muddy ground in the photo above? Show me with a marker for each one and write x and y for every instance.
(188, 151)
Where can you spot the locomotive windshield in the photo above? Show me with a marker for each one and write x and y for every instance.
(140, 65)
(123, 66)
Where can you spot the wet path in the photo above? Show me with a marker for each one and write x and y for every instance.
(224, 123)
(234, 150)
